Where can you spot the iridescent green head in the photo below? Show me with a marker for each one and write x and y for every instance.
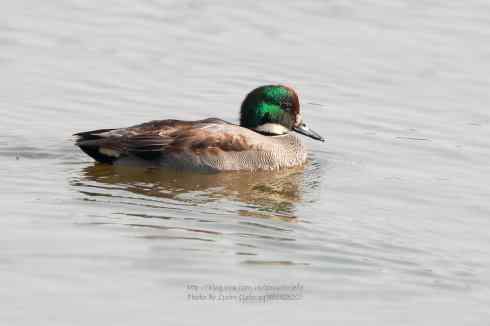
(274, 110)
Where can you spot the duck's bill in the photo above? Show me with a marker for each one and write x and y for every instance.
(304, 130)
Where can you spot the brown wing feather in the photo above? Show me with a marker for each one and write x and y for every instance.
(208, 136)
(154, 139)
(161, 127)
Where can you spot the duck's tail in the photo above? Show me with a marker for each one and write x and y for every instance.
(94, 144)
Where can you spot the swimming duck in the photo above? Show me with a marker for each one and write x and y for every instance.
(262, 141)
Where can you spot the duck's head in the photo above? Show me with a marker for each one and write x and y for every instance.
(274, 110)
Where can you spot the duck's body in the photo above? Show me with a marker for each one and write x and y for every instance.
(204, 145)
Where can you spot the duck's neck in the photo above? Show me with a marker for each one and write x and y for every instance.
(272, 129)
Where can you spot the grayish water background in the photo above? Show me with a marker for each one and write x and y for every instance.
(387, 225)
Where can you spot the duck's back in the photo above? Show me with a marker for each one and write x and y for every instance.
(211, 145)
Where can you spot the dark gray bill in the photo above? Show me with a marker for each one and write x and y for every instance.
(303, 129)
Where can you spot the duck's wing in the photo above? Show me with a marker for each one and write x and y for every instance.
(204, 138)
(155, 139)
(147, 128)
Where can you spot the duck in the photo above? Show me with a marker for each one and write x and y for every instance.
(263, 140)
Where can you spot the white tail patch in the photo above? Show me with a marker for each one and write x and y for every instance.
(109, 152)
(272, 128)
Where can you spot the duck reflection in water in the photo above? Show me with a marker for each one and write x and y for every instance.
(259, 194)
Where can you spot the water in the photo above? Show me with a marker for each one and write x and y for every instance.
(387, 223)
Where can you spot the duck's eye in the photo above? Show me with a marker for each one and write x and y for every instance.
(287, 106)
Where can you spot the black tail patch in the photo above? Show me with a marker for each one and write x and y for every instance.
(87, 141)
(93, 152)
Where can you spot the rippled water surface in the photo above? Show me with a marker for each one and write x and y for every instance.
(387, 224)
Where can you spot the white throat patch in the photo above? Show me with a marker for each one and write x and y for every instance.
(272, 128)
